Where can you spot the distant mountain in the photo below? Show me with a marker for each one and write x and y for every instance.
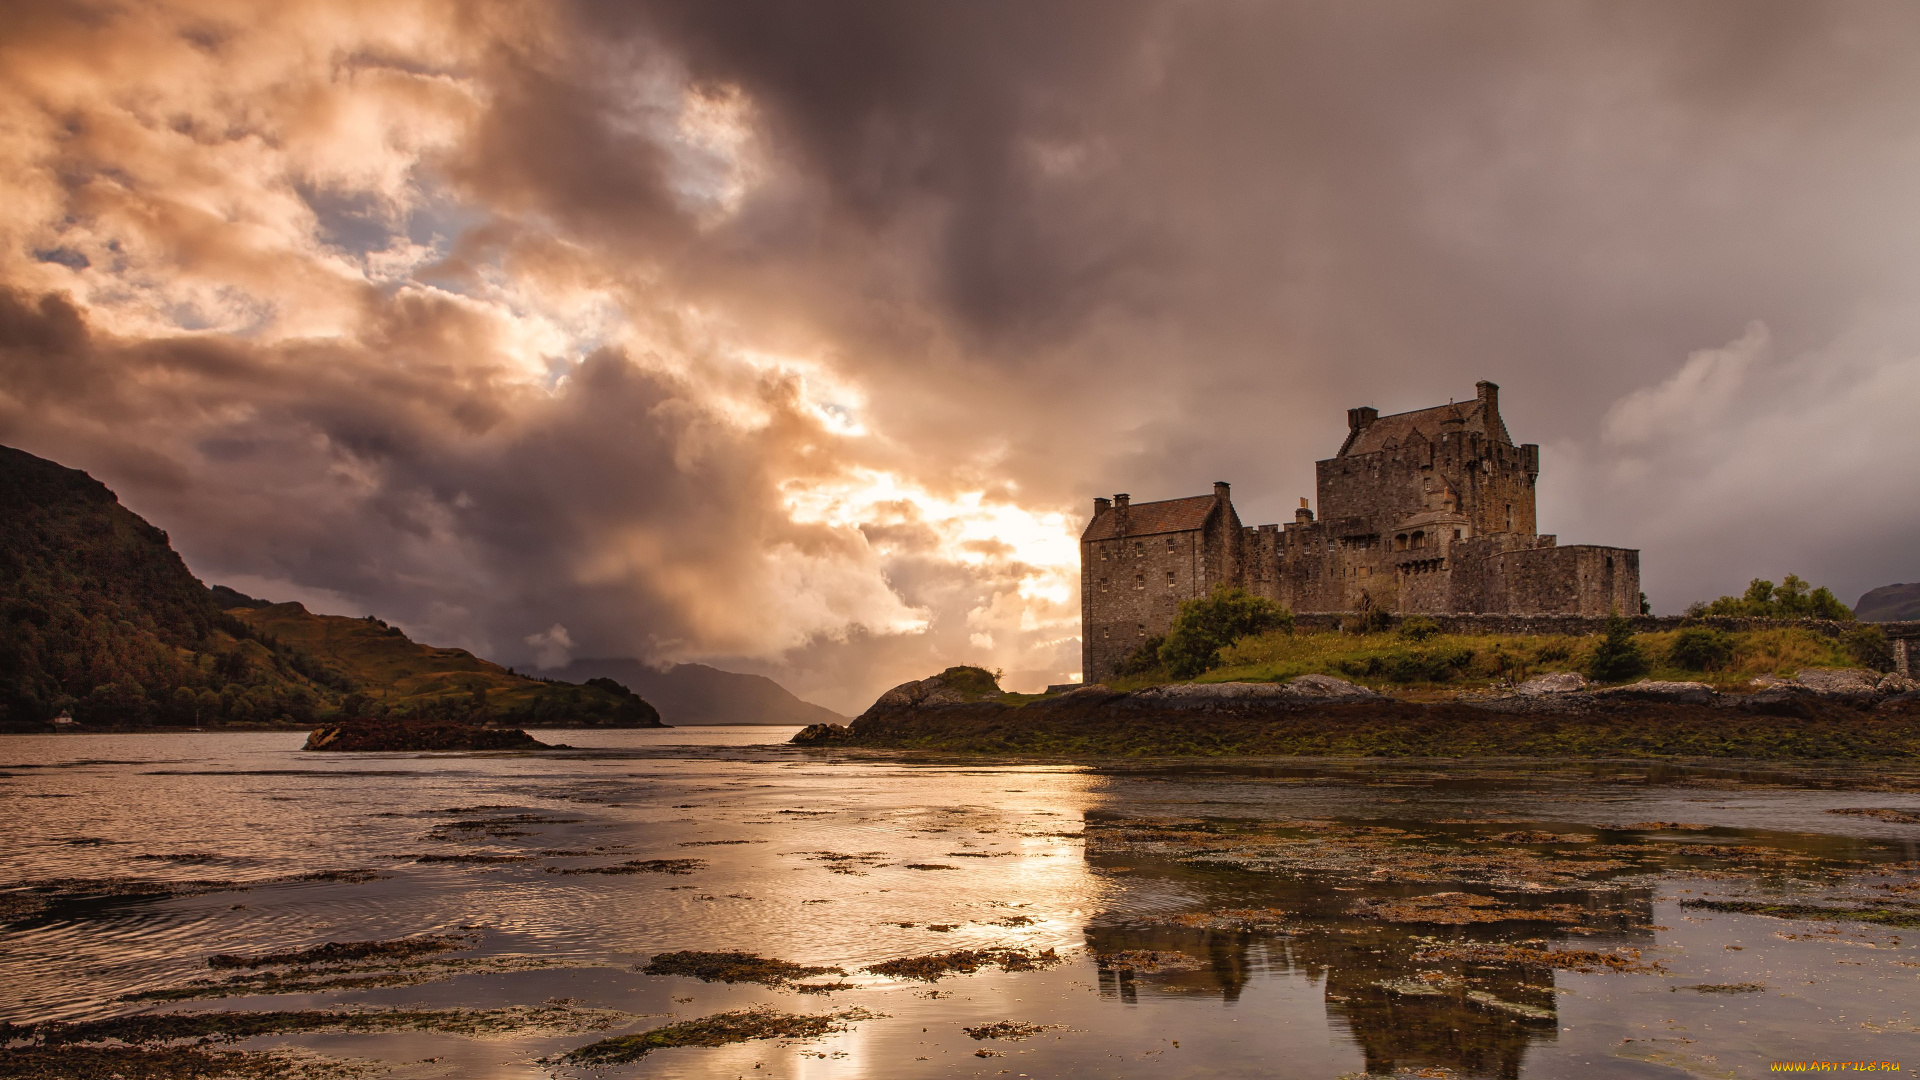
(387, 669)
(689, 694)
(1889, 603)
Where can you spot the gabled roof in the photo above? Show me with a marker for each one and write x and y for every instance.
(1147, 519)
(1430, 423)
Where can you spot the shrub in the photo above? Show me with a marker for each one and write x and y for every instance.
(1553, 652)
(1143, 659)
(1207, 624)
(1418, 628)
(1869, 648)
(1370, 620)
(1698, 649)
(1408, 666)
(1791, 599)
(969, 679)
(1617, 657)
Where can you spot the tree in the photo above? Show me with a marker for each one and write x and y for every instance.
(1700, 649)
(1791, 599)
(1618, 657)
(1207, 624)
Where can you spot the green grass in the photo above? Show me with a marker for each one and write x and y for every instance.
(1467, 661)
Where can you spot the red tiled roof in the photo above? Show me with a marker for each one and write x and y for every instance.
(1430, 423)
(1146, 519)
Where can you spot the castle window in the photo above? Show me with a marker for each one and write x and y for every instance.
(1139, 581)
(1169, 543)
(1170, 576)
(1420, 539)
(1456, 534)
(1400, 542)
(1509, 517)
(1138, 546)
(1103, 584)
(1142, 632)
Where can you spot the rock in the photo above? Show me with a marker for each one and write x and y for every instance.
(1679, 693)
(1558, 682)
(377, 735)
(1892, 683)
(1326, 687)
(1843, 682)
(820, 735)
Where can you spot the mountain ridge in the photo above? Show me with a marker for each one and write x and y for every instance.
(1889, 603)
(688, 694)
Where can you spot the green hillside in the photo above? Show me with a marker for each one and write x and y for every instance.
(388, 672)
(100, 618)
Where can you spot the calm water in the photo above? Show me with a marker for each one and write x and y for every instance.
(1293, 919)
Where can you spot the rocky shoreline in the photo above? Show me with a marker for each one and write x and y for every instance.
(388, 735)
(1821, 714)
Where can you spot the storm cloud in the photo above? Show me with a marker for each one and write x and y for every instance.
(798, 337)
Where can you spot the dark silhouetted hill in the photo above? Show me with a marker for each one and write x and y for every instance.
(1890, 603)
(100, 618)
(689, 694)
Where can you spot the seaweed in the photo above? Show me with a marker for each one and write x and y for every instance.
(963, 961)
(720, 1029)
(637, 866)
(338, 952)
(1897, 914)
(733, 967)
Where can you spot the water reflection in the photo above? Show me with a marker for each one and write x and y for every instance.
(1394, 920)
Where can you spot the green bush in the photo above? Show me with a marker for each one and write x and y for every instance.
(1617, 658)
(1371, 620)
(1418, 628)
(969, 679)
(1144, 659)
(1207, 624)
(1869, 648)
(1552, 652)
(1791, 599)
(1408, 666)
(1698, 649)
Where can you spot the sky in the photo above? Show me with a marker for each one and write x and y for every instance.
(798, 338)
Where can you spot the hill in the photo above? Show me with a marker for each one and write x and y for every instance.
(1889, 603)
(689, 694)
(387, 671)
(100, 617)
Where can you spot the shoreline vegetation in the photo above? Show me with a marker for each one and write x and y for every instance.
(1233, 678)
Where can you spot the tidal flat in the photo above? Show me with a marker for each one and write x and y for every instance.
(710, 902)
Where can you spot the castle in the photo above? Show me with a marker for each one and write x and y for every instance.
(1425, 511)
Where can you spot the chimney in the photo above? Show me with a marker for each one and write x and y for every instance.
(1101, 506)
(1120, 507)
(1304, 515)
(1222, 491)
(1120, 501)
(1364, 415)
(1489, 395)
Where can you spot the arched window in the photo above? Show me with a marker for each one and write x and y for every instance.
(1420, 539)
(1400, 542)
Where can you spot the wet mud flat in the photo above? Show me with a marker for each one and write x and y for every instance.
(659, 910)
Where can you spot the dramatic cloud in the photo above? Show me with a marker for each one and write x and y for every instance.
(797, 338)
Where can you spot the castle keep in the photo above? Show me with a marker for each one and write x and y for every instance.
(1428, 511)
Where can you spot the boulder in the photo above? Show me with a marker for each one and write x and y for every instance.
(820, 735)
(1840, 682)
(1328, 688)
(387, 735)
(1558, 682)
(1892, 683)
(1677, 693)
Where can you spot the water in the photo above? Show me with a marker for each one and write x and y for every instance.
(1278, 918)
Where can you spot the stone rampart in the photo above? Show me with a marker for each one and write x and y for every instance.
(1593, 624)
